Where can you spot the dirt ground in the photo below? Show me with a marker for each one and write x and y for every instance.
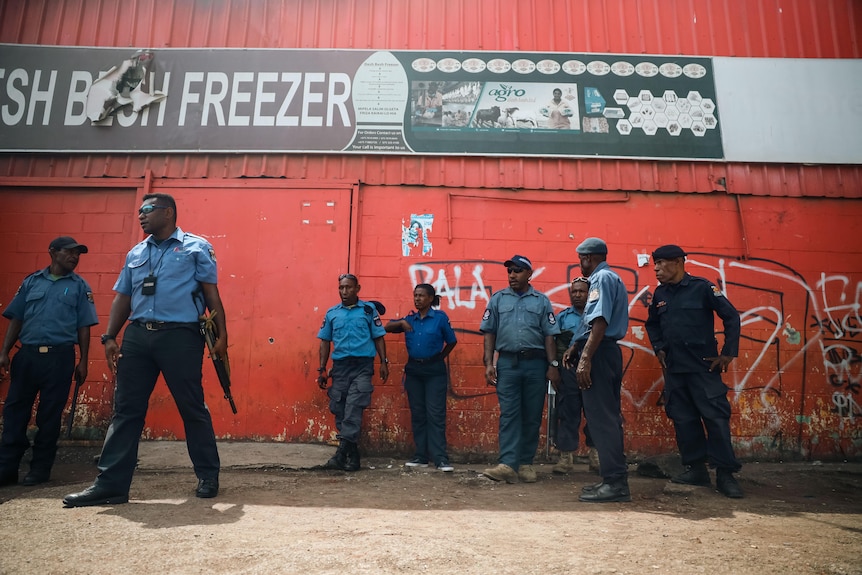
(799, 518)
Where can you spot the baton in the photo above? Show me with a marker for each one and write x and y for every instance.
(78, 383)
(552, 415)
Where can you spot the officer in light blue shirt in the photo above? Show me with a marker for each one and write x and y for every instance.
(352, 332)
(598, 366)
(165, 285)
(519, 325)
(51, 312)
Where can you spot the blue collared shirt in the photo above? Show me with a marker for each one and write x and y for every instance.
(352, 330)
(607, 299)
(429, 334)
(520, 322)
(181, 262)
(569, 319)
(52, 310)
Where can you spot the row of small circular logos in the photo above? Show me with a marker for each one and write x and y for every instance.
(571, 67)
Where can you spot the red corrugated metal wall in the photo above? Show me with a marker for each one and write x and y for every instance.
(796, 388)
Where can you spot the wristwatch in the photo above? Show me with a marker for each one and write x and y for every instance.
(555, 363)
(106, 338)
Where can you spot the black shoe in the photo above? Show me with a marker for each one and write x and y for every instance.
(592, 488)
(608, 492)
(95, 495)
(337, 461)
(36, 477)
(207, 488)
(726, 484)
(693, 475)
(9, 477)
(351, 456)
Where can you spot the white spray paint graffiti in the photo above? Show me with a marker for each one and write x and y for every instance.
(834, 306)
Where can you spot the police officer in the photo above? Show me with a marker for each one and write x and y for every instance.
(430, 339)
(353, 332)
(155, 293)
(681, 328)
(599, 369)
(51, 311)
(519, 324)
(570, 402)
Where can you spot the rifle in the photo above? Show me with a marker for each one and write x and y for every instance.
(222, 364)
(78, 383)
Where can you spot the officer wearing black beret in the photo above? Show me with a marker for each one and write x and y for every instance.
(681, 328)
(51, 312)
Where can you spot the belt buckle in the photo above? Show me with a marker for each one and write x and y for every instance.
(151, 326)
(43, 349)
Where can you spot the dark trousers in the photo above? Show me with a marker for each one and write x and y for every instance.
(426, 385)
(50, 376)
(570, 405)
(697, 404)
(350, 394)
(603, 411)
(521, 390)
(178, 355)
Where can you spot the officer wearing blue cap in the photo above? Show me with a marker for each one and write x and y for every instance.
(519, 324)
(51, 312)
(681, 328)
(156, 292)
(598, 366)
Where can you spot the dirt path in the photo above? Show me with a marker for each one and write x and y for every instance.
(796, 518)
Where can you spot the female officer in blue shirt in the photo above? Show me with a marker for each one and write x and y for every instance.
(429, 338)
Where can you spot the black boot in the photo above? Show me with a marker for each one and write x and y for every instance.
(696, 474)
(351, 462)
(607, 492)
(726, 484)
(338, 460)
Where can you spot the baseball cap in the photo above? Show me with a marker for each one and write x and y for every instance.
(67, 243)
(518, 262)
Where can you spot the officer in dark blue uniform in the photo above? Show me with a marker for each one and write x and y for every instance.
(681, 328)
(599, 369)
(519, 324)
(51, 311)
(353, 332)
(155, 293)
(430, 339)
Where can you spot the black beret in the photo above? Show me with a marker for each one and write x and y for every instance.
(668, 252)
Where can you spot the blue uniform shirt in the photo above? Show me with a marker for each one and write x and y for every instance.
(607, 299)
(352, 330)
(569, 319)
(520, 322)
(180, 263)
(51, 311)
(429, 334)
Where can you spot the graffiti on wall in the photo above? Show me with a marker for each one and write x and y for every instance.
(786, 321)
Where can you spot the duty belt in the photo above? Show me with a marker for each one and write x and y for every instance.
(421, 360)
(48, 348)
(527, 354)
(160, 325)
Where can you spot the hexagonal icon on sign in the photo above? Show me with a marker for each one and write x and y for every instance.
(637, 120)
(685, 121)
(707, 105)
(624, 127)
(683, 106)
(659, 105)
(660, 120)
(634, 104)
(645, 96)
(696, 113)
(694, 96)
(621, 97)
(650, 128)
(674, 129)
(698, 128)
(672, 113)
(670, 96)
(647, 112)
(710, 122)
